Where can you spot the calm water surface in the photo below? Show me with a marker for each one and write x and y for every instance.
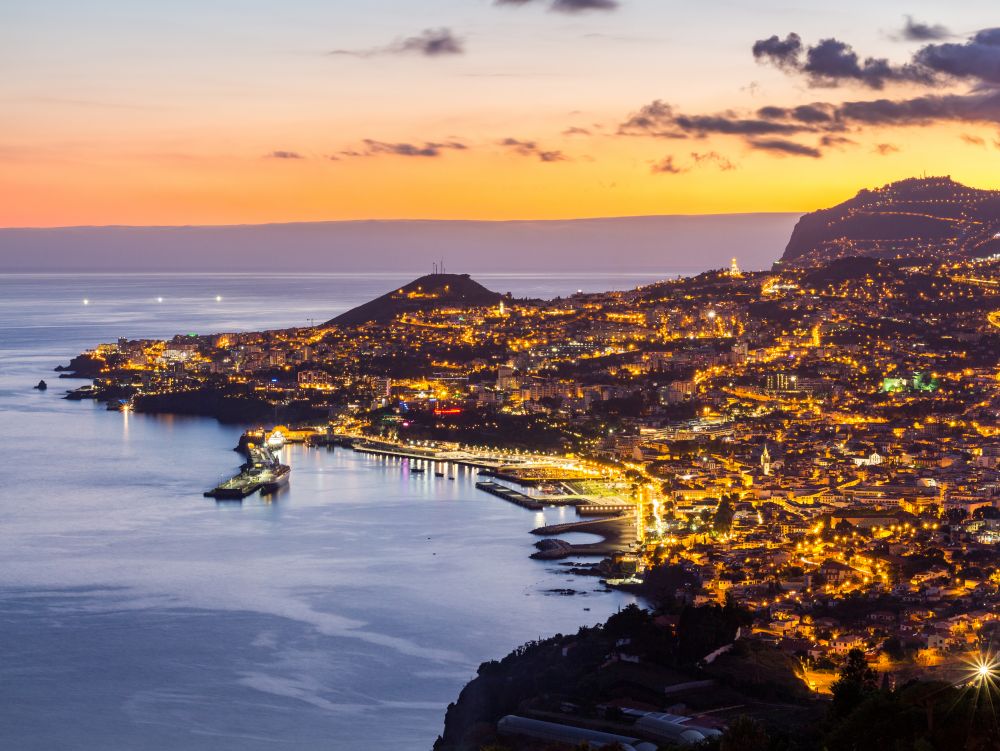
(136, 614)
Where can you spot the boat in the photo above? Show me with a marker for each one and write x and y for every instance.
(274, 478)
(417, 470)
(262, 471)
(439, 474)
(275, 441)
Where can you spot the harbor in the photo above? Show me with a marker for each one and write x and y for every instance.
(261, 472)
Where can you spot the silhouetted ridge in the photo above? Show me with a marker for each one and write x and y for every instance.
(430, 291)
(933, 216)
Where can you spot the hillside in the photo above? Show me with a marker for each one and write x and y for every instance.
(915, 217)
(430, 291)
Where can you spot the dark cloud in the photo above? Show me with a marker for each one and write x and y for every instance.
(834, 141)
(285, 155)
(531, 148)
(782, 147)
(838, 125)
(574, 131)
(713, 158)
(973, 140)
(427, 149)
(666, 166)
(429, 43)
(884, 149)
(977, 59)
(832, 62)
(567, 6)
(576, 6)
(914, 31)
(925, 110)
(834, 123)
(661, 120)
(782, 53)
(818, 112)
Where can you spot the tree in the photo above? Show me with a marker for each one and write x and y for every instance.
(745, 734)
(857, 682)
(723, 520)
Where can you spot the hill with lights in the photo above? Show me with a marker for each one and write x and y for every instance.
(427, 292)
(933, 216)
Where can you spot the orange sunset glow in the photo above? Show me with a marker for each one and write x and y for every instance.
(184, 115)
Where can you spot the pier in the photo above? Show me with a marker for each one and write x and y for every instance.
(262, 472)
(509, 494)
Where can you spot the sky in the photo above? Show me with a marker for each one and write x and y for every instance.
(120, 112)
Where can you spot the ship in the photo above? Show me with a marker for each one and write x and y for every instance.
(262, 471)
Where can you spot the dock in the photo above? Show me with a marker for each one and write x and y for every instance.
(235, 488)
(509, 494)
(262, 471)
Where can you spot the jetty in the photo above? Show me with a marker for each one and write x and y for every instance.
(509, 494)
(262, 471)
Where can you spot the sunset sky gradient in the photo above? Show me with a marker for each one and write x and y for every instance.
(218, 111)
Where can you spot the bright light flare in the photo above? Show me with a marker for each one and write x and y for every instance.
(984, 670)
(218, 298)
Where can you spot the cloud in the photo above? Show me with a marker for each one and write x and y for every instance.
(925, 110)
(280, 154)
(713, 158)
(782, 147)
(884, 149)
(817, 112)
(574, 131)
(834, 141)
(973, 140)
(782, 53)
(429, 43)
(834, 123)
(831, 62)
(427, 149)
(914, 31)
(661, 120)
(837, 125)
(568, 6)
(978, 58)
(666, 166)
(530, 148)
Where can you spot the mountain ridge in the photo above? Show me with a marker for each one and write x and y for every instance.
(920, 216)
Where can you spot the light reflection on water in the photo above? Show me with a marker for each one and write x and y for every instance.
(345, 612)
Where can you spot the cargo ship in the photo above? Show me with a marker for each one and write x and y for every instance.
(262, 471)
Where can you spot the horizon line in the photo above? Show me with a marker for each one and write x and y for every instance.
(403, 221)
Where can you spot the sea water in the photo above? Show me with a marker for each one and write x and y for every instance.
(345, 613)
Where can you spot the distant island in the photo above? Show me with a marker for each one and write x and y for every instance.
(678, 244)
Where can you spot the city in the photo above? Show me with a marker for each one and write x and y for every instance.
(817, 444)
(500, 375)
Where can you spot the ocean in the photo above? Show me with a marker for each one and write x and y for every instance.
(134, 613)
